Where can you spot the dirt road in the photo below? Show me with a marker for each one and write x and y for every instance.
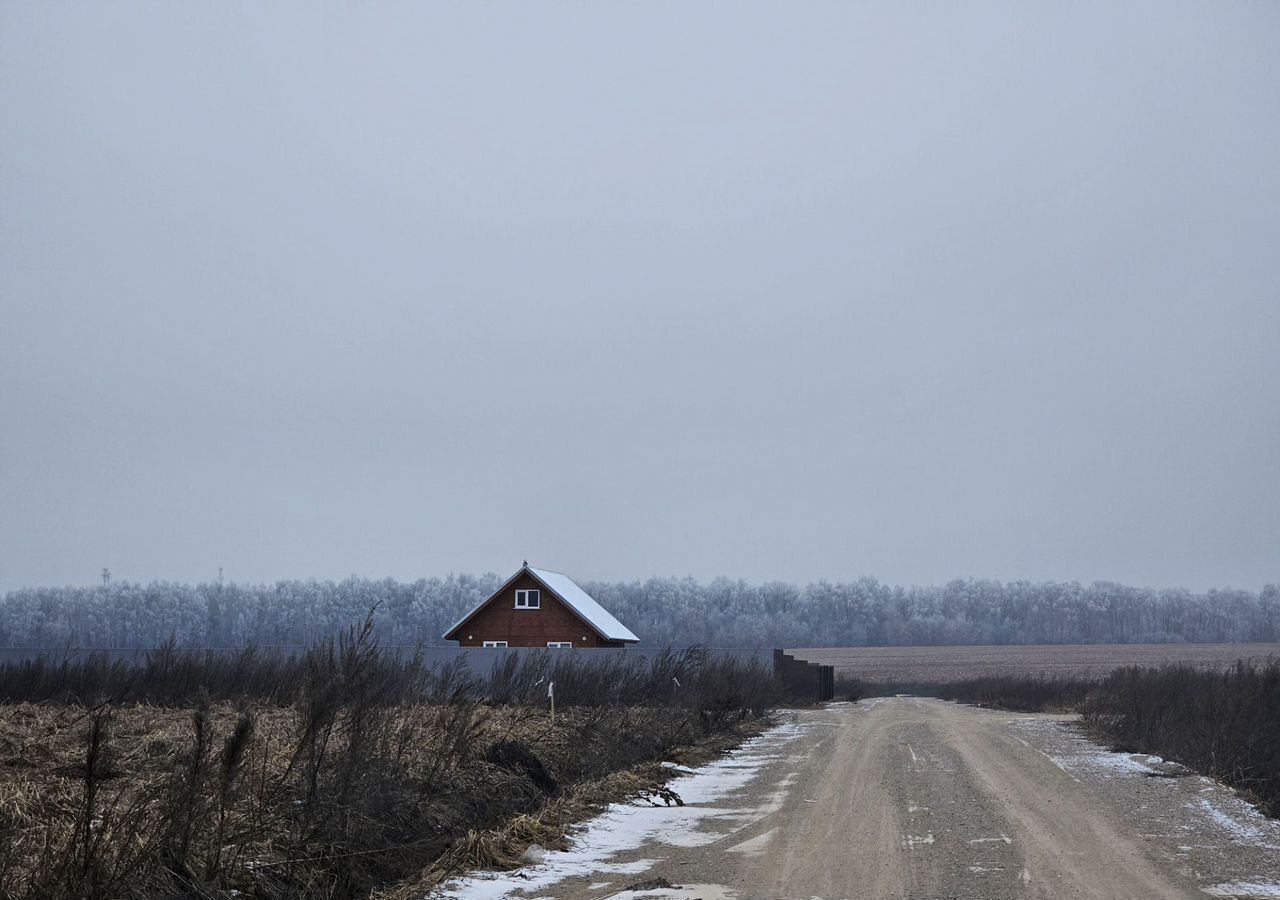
(913, 798)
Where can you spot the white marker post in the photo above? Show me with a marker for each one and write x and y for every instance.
(551, 692)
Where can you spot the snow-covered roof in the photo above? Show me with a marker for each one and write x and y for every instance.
(584, 605)
(573, 597)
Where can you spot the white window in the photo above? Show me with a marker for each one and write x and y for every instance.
(528, 599)
(560, 645)
(495, 643)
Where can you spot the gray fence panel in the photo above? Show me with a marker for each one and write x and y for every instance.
(477, 659)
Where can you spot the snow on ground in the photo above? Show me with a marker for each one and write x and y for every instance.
(754, 846)
(1243, 889)
(626, 826)
(1215, 806)
(1107, 763)
(1177, 809)
(685, 892)
(677, 768)
(1077, 755)
(1239, 819)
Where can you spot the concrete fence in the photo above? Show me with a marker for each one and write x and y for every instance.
(806, 682)
(479, 660)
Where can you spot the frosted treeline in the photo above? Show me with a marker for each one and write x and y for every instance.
(721, 613)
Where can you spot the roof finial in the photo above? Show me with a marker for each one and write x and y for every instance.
(526, 563)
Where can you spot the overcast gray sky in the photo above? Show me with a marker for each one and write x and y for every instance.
(794, 291)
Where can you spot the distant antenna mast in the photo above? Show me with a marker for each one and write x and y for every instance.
(219, 574)
(106, 576)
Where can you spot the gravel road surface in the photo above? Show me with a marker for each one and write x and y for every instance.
(915, 798)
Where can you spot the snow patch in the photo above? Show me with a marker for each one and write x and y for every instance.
(1106, 762)
(754, 846)
(1244, 889)
(1242, 822)
(624, 827)
(684, 892)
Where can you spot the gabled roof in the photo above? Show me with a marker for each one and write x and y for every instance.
(574, 597)
(584, 605)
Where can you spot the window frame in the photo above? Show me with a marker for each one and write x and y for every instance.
(559, 645)
(494, 645)
(524, 593)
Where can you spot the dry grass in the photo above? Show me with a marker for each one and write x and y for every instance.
(504, 847)
(357, 779)
(268, 838)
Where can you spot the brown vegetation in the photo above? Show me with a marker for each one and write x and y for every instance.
(332, 775)
(1223, 724)
(937, 665)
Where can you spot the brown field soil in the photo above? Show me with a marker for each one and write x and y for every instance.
(941, 664)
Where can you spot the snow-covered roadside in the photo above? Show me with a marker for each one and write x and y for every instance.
(707, 815)
(1201, 827)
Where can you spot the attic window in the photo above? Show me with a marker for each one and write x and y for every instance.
(497, 644)
(560, 645)
(528, 600)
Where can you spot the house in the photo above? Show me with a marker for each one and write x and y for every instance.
(539, 608)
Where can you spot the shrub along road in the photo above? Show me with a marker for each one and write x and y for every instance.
(916, 798)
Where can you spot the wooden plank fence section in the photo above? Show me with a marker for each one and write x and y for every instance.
(808, 682)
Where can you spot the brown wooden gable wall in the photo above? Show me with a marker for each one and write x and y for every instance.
(499, 620)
